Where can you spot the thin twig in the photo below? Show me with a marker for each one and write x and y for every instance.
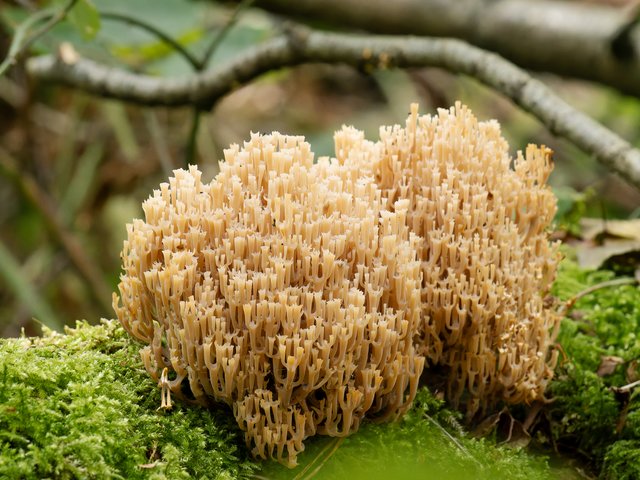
(192, 142)
(52, 22)
(320, 454)
(172, 42)
(217, 40)
(45, 205)
(302, 46)
(569, 304)
(18, 48)
(628, 387)
(20, 33)
(454, 440)
(336, 445)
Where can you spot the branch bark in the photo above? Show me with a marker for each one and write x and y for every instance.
(363, 51)
(571, 39)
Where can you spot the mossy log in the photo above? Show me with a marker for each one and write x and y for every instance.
(81, 405)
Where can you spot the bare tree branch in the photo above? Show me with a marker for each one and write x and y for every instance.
(220, 36)
(200, 89)
(572, 39)
(364, 51)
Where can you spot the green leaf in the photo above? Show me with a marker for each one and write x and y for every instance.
(85, 18)
(11, 273)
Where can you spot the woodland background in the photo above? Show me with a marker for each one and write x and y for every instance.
(90, 123)
(74, 167)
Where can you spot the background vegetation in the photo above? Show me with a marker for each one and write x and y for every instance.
(74, 169)
(81, 405)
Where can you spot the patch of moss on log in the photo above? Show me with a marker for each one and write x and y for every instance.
(81, 405)
(588, 417)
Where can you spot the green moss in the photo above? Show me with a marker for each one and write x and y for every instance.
(80, 405)
(428, 442)
(588, 417)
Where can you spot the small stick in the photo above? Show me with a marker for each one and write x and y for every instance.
(569, 304)
(453, 439)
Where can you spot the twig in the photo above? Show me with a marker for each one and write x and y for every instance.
(628, 387)
(196, 64)
(336, 445)
(569, 304)
(454, 440)
(17, 48)
(320, 454)
(20, 33)
(173, 43)
(217, 40)
(192, 141)
(302, 46)
(41, 201)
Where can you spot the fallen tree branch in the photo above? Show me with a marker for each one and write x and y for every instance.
(572, 39)
(363, 51)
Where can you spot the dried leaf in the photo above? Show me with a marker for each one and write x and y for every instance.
(633, 371)
(593, 228)
(590, 256)
(608, 364)
(513, 432)
(487, 426)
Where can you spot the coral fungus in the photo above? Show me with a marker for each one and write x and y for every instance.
(308, 295)
(282, 288)
(487, 261)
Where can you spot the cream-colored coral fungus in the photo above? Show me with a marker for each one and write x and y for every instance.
(487, 262)
(284, 288)
(308, 295)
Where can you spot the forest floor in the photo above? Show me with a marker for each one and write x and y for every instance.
(81, 405)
